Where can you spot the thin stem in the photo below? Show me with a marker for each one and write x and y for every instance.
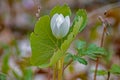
(60, 68)
(96, 68)
(108, 78)
(48, 73)
(55, 72)
(67, 65)
(101, 45)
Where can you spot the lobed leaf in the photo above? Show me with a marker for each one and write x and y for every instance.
(65, 10)
(92, 50)
(83, 13)
(79, 59)
(43, 43)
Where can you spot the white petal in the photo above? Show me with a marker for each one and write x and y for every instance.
(56, 31)
(59, 20)
(53, 20)
(61, 16)
(64, 29)
(67, 18)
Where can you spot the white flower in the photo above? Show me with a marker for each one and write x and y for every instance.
(60, 25)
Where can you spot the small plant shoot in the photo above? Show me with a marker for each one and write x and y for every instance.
(53, 35)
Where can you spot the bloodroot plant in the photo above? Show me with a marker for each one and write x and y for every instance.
(52, 37)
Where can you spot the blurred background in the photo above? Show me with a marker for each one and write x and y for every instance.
(17, 20)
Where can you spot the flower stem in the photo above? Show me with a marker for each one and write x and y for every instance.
(60, 68)
(101, 45)
(55, 72)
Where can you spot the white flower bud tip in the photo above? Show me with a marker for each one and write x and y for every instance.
(60, 25)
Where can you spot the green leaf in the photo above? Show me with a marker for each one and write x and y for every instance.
(80, 44)
(43, 43)
(5, 59)
(83, 13)
(81, 47)
(2, 76)
(93, 51)
(67, 58)
(65, 10)
(27, 74)
(79, 59)
(101, 72)
(115, 69)
(92, 56)
(5, 63)
(92, 48)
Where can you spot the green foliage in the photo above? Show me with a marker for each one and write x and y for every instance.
(5, 60)
(101, 72)
(43, 43)
(2, 76)
(27, 74)
(5, 65)
(79, 59)
(115, 69)
(46, 49)
(80, 44)
(65, 45)
(94, 51)
(91, 50)
(83, 13)
(67, 58)
(65, 10)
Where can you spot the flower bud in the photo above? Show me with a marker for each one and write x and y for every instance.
(60, 25)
